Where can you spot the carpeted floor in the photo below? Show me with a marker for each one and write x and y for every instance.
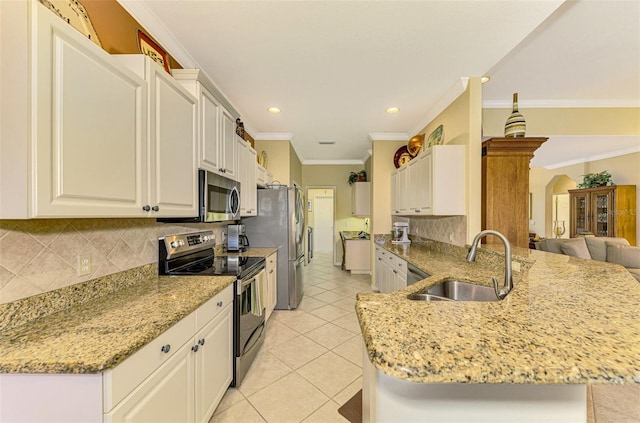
(352, 409)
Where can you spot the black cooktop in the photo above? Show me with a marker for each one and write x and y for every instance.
(204, 263)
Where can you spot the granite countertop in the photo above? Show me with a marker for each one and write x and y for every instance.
(355, 235)
(567, 321)
(95, 335)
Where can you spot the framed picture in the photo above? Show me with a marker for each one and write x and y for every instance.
(150, 48)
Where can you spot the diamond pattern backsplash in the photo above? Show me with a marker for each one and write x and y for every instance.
(41, 255)
(450, 229)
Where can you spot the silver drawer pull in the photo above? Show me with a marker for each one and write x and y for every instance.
(201, 341)
(194, 348)
(165, 348)
(219, 303)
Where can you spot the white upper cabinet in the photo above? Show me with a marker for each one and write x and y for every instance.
(248, 177)
(217, 151)
(432, 184)
(73, 123)
(172, 134)
(361, 198)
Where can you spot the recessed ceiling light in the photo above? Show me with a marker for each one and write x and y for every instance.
(485, 79)
(273, 110)
(393, 110)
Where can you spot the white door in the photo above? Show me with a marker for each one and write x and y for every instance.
(323, 223)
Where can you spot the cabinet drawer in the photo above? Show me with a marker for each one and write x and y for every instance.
(272, 260)
(122, 379)
(213, 307)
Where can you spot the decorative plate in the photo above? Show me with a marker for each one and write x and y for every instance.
(436, 137)
(415, 144)
(262, 159)
(401, 157)
(150, 48)
(74, 13)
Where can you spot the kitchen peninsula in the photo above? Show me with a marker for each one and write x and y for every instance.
(567, 323)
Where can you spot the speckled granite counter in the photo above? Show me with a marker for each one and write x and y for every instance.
(567, 321)
(99, 332)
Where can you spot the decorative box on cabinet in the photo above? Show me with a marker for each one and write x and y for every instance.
(172, 141)
(604, 211)
(73, 123)
(505, 188)
(217, 146)
(361, 198)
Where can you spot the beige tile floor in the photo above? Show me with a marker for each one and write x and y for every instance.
(311, 361)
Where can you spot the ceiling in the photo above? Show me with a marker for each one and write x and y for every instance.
(333, 67)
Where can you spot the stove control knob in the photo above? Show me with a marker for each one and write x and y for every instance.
(174, 244)
(181, 242)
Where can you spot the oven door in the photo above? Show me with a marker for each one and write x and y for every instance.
(250, 323)
(221, 198)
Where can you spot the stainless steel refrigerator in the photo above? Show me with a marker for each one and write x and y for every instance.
(280, 224)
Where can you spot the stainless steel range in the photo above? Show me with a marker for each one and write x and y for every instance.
(193, 254)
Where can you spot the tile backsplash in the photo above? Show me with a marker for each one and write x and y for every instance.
(41, 255)
(449, 229)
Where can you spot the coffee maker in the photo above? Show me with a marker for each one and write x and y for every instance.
(400, 233)
(237, 240)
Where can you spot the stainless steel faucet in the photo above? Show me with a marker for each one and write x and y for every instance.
(508, 279)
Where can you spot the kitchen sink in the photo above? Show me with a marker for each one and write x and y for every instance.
(454, 290)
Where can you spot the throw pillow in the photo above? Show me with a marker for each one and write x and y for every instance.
(598, 246)
(624, 255)
(575, 247)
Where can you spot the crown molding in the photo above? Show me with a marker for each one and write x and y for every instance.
(607, 155)
(561, 104)
(273, 136)
(368, 154)
(332, 162)
(390, 136)
(158, 30)
(443, 102)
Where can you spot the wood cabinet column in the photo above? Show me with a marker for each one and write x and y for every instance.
(505, 187)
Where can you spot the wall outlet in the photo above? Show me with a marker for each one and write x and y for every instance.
(515, 266)
(451, 237)
(84, 264)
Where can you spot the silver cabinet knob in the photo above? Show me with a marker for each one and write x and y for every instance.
(194, 348)
(201, 341)
(165, 348)
(155, 208)
(219, 303)
(146, 208)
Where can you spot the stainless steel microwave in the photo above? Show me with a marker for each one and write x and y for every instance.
(218, 199)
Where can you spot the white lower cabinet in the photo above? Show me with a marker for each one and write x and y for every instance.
(272, 284)
(391, 271)
(189, 383)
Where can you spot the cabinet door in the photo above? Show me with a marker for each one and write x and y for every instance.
(213, 363)
(210, 141)
(602, 213)
(425, 182)
(229, 146)
(395, 206)
(251, 181)
(166, 396)
(173, 146)
(90, 134)
(403, 189)
(580, 213)
(272, 285)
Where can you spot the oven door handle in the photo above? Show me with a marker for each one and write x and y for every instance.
(252, 278)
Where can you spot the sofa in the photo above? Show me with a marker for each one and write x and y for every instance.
(608, 249)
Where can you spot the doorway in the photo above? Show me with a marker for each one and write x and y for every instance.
(321, 217)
